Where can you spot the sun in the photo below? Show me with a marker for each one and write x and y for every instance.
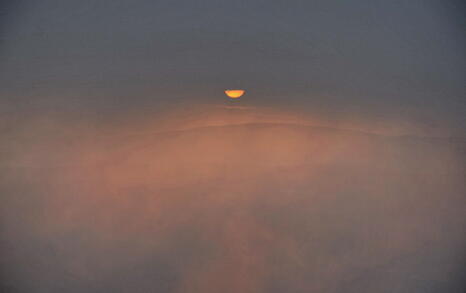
(234, 94)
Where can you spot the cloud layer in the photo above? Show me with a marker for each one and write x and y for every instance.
(256, 206)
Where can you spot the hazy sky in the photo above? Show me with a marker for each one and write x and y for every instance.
(124, 168)
(399, 60)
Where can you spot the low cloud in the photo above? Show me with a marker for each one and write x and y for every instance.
(256, 205)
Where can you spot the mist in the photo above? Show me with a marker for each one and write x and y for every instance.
(229, 199)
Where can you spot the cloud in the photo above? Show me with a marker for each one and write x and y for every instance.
(255, 206)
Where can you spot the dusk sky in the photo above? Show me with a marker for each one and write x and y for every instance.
(399, 61)
(124, 167)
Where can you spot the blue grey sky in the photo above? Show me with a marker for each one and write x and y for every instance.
(403, 60)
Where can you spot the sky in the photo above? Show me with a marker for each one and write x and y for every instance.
(125, 168)
(394, 61)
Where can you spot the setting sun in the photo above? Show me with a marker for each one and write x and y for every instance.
(234, 94)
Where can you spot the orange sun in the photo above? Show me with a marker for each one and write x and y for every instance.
(234, 94)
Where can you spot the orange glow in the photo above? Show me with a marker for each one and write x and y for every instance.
(234, 94)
